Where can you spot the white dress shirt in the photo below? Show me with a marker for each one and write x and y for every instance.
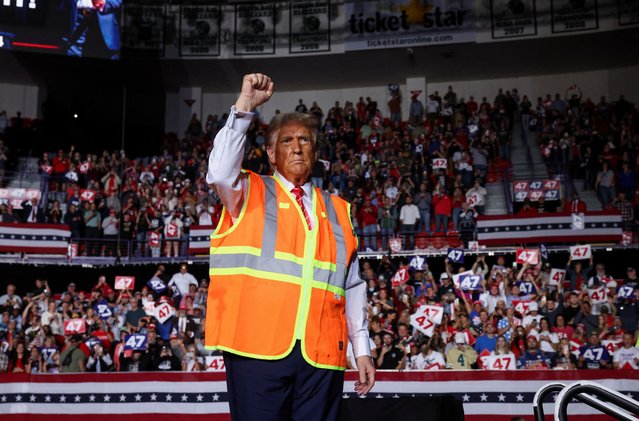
(225, 164)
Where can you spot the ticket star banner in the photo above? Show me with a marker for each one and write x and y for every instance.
(310, 27)
(381, 24)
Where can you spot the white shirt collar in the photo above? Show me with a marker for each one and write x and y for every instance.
(307, 187)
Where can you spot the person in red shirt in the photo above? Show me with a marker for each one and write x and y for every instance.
(575, 205)
(367, 218)
(443, 207)
(527, 210)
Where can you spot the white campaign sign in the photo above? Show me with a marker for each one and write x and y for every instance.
(215, 363)
(163, 312)
(426, 318)
(597, 295)
(578, 221)
(557, 276)
(440, 163)
(500, 362)
(580, 252)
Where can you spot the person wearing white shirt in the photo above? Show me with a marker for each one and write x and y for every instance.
(182, 280)
(291, 151)
(627, 354)
(428, 359)
(408, 217)
(477, 194)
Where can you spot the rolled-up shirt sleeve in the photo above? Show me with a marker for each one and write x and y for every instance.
(225, 160)
(356, 311)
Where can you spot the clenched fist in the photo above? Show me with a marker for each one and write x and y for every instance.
(256, 90)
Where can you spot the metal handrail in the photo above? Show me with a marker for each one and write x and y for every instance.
(540, 395)
(604, 399)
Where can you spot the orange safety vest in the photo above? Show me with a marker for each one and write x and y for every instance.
(273, 281)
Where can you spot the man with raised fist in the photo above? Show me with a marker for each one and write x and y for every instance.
(285, 294)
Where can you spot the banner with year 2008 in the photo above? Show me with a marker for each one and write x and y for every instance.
(254, 29)
(200, 30)
(573, 16)
(310, 27)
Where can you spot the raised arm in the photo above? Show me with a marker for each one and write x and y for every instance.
(225, 161)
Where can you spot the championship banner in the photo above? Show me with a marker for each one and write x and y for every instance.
(378, 24)
(628, 12)
(513, 18)
(533, 190)
(573, 16)
(599, 226)
(310, 27)
(199, 396)
(255, 29)
(200, 31)
(144, 29)
(34, 238)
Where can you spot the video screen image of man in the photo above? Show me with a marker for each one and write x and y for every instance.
(80, 28)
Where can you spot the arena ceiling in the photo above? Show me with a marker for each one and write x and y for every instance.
(365, 68)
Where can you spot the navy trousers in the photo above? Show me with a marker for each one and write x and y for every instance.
(288, 389)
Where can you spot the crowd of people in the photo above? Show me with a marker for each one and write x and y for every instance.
(514, 317)
(594, 142)
(424, 176)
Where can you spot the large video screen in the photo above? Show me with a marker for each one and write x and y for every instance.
(80, 28)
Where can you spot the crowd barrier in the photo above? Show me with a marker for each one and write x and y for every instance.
(494, 395)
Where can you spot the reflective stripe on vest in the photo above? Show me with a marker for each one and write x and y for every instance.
(270, 263)
(257, 274)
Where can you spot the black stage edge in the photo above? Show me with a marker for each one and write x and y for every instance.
(439, 408)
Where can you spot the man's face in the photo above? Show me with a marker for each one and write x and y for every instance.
(532, 343)
(594, 339)
(388, 340)
(293, 153)
(627, 340)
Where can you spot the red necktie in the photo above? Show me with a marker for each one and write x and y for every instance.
(298, 193)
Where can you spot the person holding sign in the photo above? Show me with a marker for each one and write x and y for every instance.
(270, 255)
